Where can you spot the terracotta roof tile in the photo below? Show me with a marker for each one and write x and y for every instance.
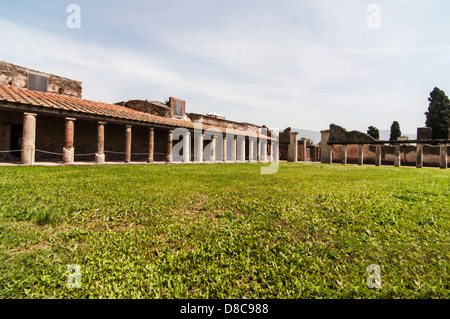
(61, 102)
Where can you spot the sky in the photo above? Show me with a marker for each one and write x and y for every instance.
(284, 63)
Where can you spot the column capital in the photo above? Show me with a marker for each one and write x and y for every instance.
(70, 119)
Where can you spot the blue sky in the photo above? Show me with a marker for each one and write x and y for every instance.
(303, 64)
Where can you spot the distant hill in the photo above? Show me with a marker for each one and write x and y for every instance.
(312, 135)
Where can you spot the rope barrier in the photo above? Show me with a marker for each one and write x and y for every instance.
(89, 154)
(92, 154)
(123, 153)
(114, 152)
(46, 152)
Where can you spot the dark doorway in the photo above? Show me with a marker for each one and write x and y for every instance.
(16, 139)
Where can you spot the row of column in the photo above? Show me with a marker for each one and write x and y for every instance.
(238, 149)
(397, 159)
(29, 141)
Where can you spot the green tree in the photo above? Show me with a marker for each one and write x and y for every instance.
(395, 131)
(438, 115)
(374, 132)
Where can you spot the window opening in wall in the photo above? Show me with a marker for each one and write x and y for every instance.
(178, 108)
(37, 82)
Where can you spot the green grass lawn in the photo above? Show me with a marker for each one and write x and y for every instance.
(224, 231)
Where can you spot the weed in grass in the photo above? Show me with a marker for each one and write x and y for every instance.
(224, 231)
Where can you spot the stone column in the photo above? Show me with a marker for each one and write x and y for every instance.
(330, 156)
(377, 155)
(68, 149)
(397, 161)
(100, 155)
(169, 147)
(275, 151)
(151, 145)
(213, 149)
(198, 144)
(186, 147)
(344, 154)
(264, 151)
(293, 147)
(258, 150)
(302, 149)
(28, 139)
(250, 149)
(326, 151)
(224, 149)
(360, 154)
(443, 153)
(127, 143)
(419, 155)
(242, 149)
(270, 150)
(235, 149)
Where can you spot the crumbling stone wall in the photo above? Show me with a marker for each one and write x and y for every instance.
(408, 154)
(305, 153)
(154, 108)
(284, 139)
(221, 122)
(17, 76)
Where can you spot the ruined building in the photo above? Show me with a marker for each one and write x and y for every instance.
(43, 118)
(353, 147)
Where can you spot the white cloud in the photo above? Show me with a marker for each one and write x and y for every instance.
(299, 64)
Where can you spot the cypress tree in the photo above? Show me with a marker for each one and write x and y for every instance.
(438, 115)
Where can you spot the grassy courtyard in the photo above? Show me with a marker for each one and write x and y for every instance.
(224, 231)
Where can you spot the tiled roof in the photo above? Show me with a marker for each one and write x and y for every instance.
(66, 103)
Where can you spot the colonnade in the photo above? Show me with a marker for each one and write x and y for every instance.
(264, 151)
(397, 153)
